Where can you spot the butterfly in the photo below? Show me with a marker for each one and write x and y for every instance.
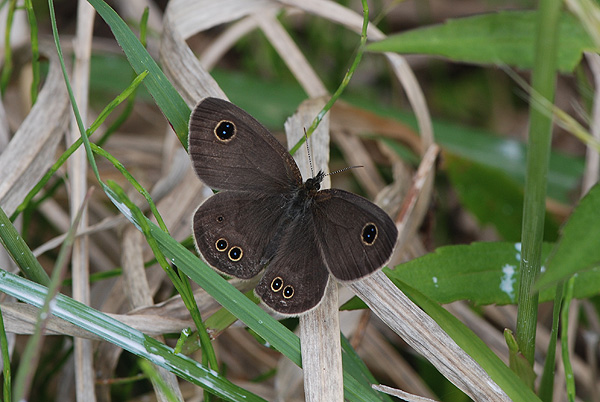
(266, 218)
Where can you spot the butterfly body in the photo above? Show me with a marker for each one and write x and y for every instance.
(266, 218)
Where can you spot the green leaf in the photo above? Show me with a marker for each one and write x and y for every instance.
(492, 196)
(578, 250)
(166, 97)
(503, 38)
(473, 345)
(483, 273)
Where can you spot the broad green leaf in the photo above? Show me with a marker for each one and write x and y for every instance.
(492, 196)
(473, 345)
(503, 38)
(578, 250)
(483, 273)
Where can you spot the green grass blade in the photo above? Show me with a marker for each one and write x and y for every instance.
(35, 53)
(343, 84)
(180, 282)
(166, 97)
(538, 155)
(7, 62)
(546, 389)
(20, 252)
(564, 340)
(125, 337)
(29, 360)
(6, 372)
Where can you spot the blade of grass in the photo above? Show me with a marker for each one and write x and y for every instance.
(81, 127)
(546, 391)
(181, 284)
(564, 340)
(7, 63)
(125, 337)
(6, 372)
(20, 252)
(166, 97)
(131, 98)
(208, 356)
(29, 359)
(155, 377)
(35, 53)
(534, 204)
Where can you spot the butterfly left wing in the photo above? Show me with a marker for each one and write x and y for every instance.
(355, 236)
(294, 282)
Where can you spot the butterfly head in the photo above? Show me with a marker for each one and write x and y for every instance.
(314, 184)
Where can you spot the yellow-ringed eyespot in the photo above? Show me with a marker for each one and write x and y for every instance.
(225, 131)
(276, 284)
(369, 234)
(235, 253)
(288, 292)
(221, 244)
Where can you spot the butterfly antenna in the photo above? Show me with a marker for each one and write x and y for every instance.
(344, 169)
(312, 170)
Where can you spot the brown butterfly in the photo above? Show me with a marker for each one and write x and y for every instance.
(266, 217)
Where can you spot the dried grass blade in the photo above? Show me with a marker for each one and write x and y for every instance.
(31, 150)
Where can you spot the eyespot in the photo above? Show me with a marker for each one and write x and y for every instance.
(221, 244)
(220, 218)
(235, 253)
(276, 284)
(225, 131)
(369, 234)
(288, 292)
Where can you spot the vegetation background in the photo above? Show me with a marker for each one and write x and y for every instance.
(474, 79)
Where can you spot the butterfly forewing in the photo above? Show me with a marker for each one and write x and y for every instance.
(230, 150)
(355, 236)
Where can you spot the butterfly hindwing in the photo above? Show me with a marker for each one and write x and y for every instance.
(355, 236)
(294, 282)
(230, 150)
(233, 229)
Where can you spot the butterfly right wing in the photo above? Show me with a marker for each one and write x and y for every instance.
(235, 232)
